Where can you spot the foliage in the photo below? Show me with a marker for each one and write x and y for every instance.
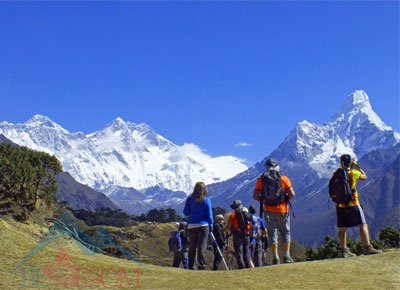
(118, 218)
(329, 249)
(104, 216)
(218, 210)
(27, 176)
(163, 215)
(390, 237)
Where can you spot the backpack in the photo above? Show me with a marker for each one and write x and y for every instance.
(271, 193)
(256, 226)
(175, 242)
(244, 220)
(339, 187)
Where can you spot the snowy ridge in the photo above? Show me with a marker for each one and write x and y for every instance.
(356, 129)
(123, 154)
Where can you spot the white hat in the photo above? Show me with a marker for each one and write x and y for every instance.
(245, 209)
(219, 217)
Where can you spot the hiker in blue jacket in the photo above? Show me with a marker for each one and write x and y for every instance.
(200, 223)
(256, 238)
(181, 255)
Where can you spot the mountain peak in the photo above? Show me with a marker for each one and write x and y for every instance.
(357, 100)
(360, 97)
(44, 121)
(39, 118)
(119, 120)
(357, 105)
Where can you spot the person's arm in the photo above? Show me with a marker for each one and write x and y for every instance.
(256, 194)
(184, 238)
(257, 190)
(228, 228)
(262, 224)
(363, 175)
(290, 193)
(220, 234)
(210, 214)
(186, 209)
(264, 231)
(287, 185)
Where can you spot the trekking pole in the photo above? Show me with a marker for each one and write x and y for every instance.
(219, 250)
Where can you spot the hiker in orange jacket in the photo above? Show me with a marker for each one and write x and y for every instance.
(276, 210)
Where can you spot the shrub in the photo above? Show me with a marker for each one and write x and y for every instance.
(390, 237)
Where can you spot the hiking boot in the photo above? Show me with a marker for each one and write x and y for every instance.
(288, 259)
(370, 250)
(276, 261)
(345, 253)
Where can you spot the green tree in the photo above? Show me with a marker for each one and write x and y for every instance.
(27, 175)
(218, 210)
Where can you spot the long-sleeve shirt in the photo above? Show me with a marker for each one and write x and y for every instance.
(200, 213)
(218, 232)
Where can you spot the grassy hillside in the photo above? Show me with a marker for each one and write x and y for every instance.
(149, 243)
(62, 263)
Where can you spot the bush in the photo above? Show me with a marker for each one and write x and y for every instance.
(390, 237)
(329, 249)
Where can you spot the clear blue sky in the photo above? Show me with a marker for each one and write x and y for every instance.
(210, 73)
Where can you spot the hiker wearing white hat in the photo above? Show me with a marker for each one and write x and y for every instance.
(218, 232)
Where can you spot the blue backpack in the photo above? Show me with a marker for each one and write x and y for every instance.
(256, 226)
(175, 242)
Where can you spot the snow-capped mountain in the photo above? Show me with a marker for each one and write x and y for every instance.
(123, 154)
(356, 129)
(309, 155)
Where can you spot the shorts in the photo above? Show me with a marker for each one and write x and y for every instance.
(350, 216)
(277, 222)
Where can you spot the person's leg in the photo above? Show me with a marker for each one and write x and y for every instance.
(202, 247)
(272, 228)
(193, 241)
(364, 234)
(221, 248)
(342, 237)
(359, 219)
(185, 260)
(258, 252)
(238, 248)
(246, 253)
(216, 257)
(283, 222)
(252, 248)
(344, 221)
(177, 260)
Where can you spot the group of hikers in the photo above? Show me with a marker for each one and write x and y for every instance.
(250, 234)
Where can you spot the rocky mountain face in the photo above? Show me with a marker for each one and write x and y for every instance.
(80, 196)
(309, 155)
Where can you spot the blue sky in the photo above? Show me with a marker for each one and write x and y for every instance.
(210, 73)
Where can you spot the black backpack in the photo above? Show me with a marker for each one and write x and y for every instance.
(339, 187)
(272, 193)
(244, 220)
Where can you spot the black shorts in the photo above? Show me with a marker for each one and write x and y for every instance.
(351, 216)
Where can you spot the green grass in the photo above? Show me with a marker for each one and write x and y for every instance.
(18, 239)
